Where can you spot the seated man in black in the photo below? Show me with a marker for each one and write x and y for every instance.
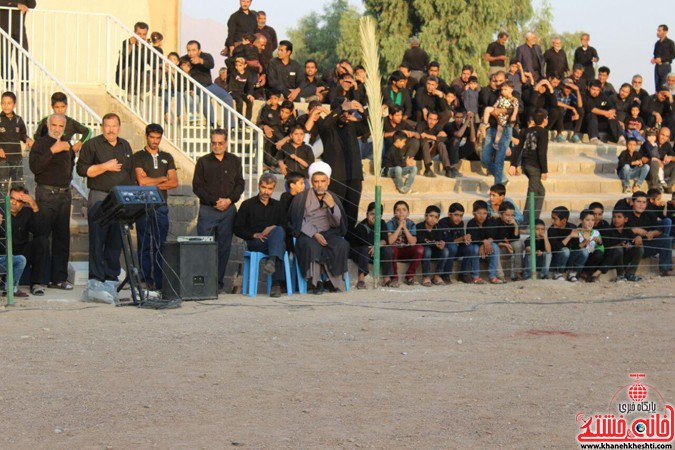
(462, 140)
(397, 94)
(363, 247)
(430, 98)
(432, 141)
(29, 236)
(260, 222)
(599, 115)
(395, 123)
(319, 223)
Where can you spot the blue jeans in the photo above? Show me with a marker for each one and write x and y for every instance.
(212, 222)
(19, 263)
(559, 260)
(634, 134)
(493, 160)
(661, 72)
(151, 231)
(455, 251)
(398, 172)
(207, 107)
(440, 255)
(578, 260)
(633, 173)
(493, 260)
(543, 263)
(663, 246)
(274, 245)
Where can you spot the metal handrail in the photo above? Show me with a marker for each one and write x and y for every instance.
(33, 85)
(154, 89)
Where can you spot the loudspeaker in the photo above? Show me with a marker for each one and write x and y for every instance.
(190, 270)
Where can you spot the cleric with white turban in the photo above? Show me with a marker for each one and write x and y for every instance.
(319, 224)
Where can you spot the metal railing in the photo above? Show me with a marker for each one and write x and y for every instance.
(85, 49)
(33, 86)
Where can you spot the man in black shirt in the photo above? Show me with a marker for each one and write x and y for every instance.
(269, 33)
(154, 167)
(130, 72)
(586, 56)
(201, 65)
(495, 54)
(417, 58)
(432, 141)
(260, 222)
(218, 183)
(52, 160)
(664, 52)
(28, 236)
(606, 86)
(397, 94)
(599, 114)
(106, 161)
(556, 59)
(657, 108)
(393, 123)
(435, 71)
(637, 91)
(430, 98)
(312, 84)
(240, 22)
(284, 74)
(646, 231)
(462, 135)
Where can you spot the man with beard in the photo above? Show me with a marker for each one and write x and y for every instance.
(319, 223)
(52, 159)
(339, 132)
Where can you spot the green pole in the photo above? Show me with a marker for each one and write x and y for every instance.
(378, 233)
(533, 251)
(8, 246)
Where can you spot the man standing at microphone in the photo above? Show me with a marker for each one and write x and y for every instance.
(52, 159)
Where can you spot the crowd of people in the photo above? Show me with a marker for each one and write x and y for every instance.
(530, 99)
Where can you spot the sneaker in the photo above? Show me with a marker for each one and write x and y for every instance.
(572, 277)
(626, 190)
(429, 173)
(560, 138)
(449, 173)
(634, 278)
(621, 141)
(576, 139)
(558, 276)
(620, 279)
(594, 141)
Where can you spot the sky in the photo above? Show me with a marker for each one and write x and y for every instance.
(622, 31)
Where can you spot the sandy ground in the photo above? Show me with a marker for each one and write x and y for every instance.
(455, 367)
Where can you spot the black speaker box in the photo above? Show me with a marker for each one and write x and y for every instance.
(190, 270)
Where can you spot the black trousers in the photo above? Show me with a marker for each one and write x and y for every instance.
(360, 256)
(55, 207)
(595, 123)
(35, 252)
(105, 243)
(535, 185)
(624, 260)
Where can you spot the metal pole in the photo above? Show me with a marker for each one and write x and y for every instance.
(378, 232)
(533, 249)
(8, 246)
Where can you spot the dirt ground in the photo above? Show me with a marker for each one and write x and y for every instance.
(421, 368)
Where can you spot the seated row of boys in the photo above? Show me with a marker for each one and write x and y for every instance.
(641, 227)
(653, 161)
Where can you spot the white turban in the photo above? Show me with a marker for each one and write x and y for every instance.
(319, 166)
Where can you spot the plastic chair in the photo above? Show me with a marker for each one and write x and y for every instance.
(252, 260)
(302, 283)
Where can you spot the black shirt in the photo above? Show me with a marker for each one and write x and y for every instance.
(214, 179)
(427, 237)
(532, 149)
(49, 168)
(615, 238)
(417, 58)
(254, 216)
(556, 62)
(240, 23)
(25, 223)
(480, 233)
(12, 134)
(303, 152)
(201, 73)
(269, 117)
(154, 166)
(365, 235)
(450, 230)
(626, 158)
(646, 220)
(556, 236)
(284, 77)
(665, 50)
(496, 49)
(585, 58)
(97, 151)
(599, 102)
(272, 42)
(429, 101)
(504, 232)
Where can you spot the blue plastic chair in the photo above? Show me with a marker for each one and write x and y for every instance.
(301, 282)
(250, 278)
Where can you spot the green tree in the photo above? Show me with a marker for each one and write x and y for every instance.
(327, 37)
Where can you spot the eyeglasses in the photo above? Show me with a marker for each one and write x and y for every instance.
(219, 144)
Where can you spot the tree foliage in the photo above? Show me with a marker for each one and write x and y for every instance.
(327, 37)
